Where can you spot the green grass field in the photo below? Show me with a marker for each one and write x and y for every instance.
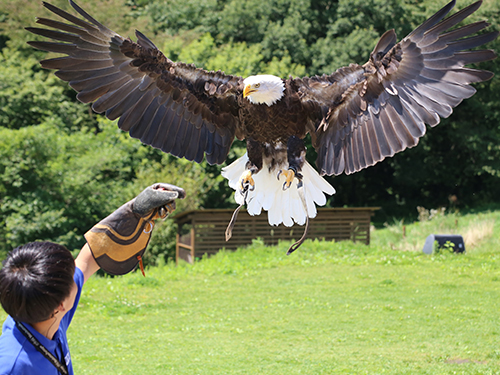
(329, 308)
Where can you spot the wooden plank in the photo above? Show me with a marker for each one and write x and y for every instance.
(249, 237)
(264, 223)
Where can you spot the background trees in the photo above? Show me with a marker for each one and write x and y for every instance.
(62, 168)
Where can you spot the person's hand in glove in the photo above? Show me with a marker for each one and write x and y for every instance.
(119, 241)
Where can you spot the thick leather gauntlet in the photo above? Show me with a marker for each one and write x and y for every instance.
(119, 241)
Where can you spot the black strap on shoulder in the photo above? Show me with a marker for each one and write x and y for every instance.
(60, 366)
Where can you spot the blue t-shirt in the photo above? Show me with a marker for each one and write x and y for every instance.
(19, 357)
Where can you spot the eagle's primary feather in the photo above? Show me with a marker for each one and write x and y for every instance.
(356, 116)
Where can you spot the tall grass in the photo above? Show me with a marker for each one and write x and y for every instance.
(476, 229)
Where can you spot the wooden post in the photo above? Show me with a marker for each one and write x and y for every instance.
(177, 240)
(192, 242)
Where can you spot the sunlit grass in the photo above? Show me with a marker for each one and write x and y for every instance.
(329, 308)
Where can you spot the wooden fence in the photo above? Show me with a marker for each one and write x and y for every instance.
(202, 232)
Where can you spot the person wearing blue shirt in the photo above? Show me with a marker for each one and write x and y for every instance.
(41, 283)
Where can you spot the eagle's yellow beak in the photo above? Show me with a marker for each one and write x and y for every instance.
(248, 90)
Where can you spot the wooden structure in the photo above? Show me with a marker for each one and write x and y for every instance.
(202, 232)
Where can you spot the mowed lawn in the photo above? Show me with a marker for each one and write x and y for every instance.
(329, 308)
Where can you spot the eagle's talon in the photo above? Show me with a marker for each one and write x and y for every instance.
(246, 182)
(170, 207)
(289, 176)
(166, 210)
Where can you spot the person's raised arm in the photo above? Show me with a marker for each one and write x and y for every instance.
(86, 262)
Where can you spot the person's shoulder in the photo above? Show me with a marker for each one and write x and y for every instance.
(18, 355)
(11, 339)
(8, 362)
(17, 362)
(11, 349)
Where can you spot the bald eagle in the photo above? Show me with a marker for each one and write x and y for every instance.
(356, 116)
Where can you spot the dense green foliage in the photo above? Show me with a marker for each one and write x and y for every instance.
(62, 168)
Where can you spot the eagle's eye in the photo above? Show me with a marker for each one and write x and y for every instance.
(257, 85)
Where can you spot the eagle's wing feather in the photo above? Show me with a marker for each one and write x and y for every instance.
(175, 107)
(373, 111)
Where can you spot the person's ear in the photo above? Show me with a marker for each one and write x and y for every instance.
(60, 308)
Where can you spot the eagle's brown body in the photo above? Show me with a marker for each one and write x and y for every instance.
(278, 122)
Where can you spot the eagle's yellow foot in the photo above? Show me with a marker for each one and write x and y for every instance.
(170, 207)
(246, 182)
(290, 175)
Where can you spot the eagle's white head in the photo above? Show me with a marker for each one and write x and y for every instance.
(264, 88)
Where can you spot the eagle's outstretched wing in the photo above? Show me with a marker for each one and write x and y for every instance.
(381, 108)
(175, 107)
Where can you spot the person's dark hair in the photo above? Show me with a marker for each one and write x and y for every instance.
(35, 279)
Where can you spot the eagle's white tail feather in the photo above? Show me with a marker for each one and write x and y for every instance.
(282, 206)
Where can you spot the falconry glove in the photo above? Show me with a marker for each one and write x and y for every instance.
(119, 241)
